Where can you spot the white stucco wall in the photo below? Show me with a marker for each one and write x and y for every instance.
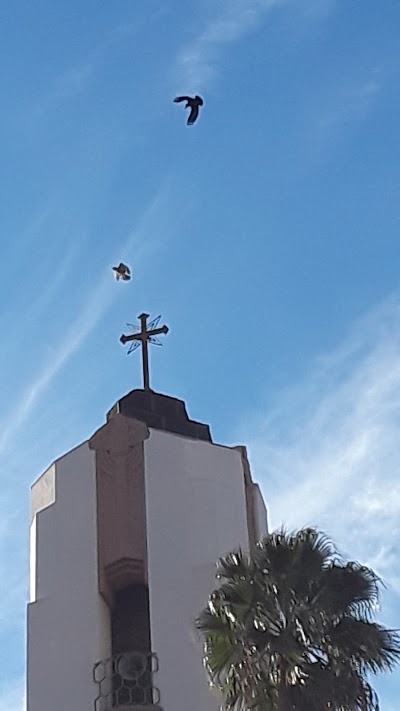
(68, 622)
(260, 513)
(196, 512)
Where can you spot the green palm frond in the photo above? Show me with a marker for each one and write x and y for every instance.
(317, 541)
(345, 588)
(239, 593)
(234, 566)
(220, 653)
(274, 554)
(292, 560)
(207, 622)
(371, 646)
(337, 689)
(290, 627)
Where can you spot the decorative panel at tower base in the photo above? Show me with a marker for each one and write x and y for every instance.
(126, 682)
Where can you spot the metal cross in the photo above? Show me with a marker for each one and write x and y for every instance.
(143, 337)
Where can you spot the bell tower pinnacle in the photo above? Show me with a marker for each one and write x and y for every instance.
(125, 532)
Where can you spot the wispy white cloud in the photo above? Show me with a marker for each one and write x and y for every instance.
(33, 228)
(339, 108)
(316, 10)
(350, 103)
(232, 21)
(75, 79)
(235, 19)
(71, 82)
(90, 315)
(142, 241)
(328, 451)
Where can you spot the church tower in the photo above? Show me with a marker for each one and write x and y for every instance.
(125, 532)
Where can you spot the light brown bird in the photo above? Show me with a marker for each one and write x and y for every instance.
(122, 272)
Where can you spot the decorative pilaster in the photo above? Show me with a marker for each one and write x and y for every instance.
(121, 513)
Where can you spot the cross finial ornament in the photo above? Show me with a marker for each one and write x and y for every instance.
(143, 337)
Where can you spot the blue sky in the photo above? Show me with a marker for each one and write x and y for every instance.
(267, 236)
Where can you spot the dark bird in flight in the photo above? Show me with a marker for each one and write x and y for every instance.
(194, 105)
(122, 272)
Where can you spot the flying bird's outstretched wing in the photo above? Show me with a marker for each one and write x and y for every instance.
(193, 114)
(193, 103)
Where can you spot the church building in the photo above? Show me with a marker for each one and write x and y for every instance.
(125, 532)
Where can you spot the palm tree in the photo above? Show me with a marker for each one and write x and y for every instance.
(290, 628)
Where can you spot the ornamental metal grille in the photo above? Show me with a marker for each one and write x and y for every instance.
(126, 680)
